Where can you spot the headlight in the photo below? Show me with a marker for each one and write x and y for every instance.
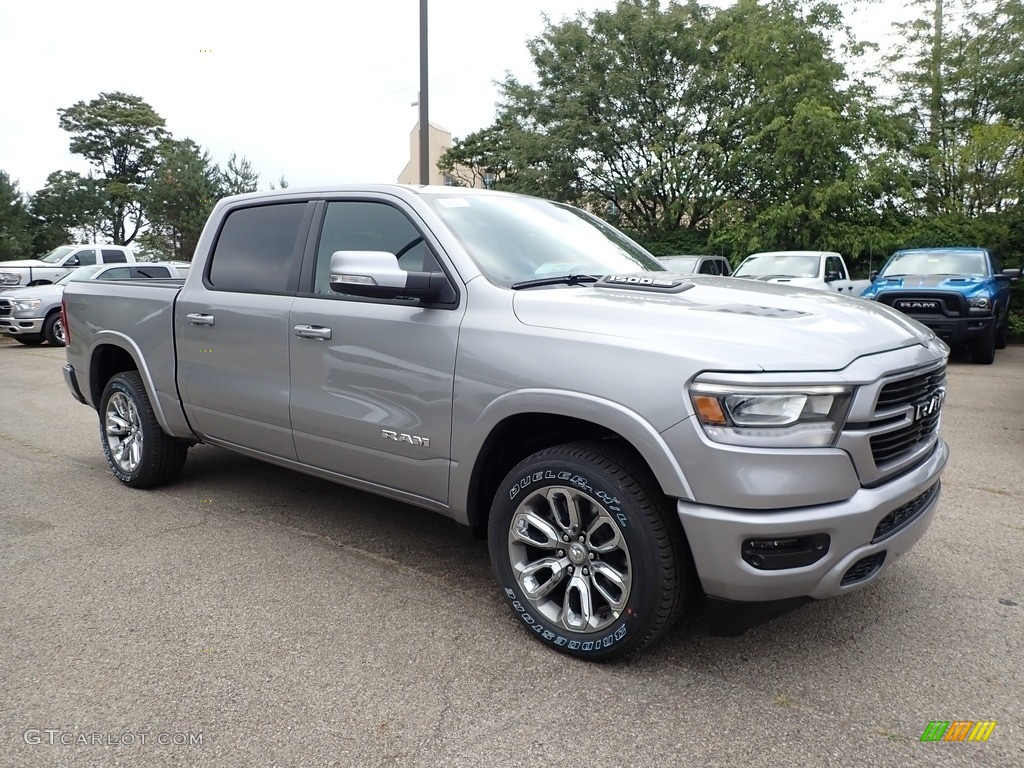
(26, 304)
(9, 278)
(979, 304)
(770, 417)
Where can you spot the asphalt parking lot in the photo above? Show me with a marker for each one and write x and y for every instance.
(251, 616)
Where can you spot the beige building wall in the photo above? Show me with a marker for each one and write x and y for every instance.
(440, 141)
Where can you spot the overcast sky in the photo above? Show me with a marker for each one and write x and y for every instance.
(316, 91)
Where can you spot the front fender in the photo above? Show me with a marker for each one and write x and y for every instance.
(604, 413)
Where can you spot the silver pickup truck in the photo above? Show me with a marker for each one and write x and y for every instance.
(624, 436)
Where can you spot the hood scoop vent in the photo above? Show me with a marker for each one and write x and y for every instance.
(750, 309)
(646, 281)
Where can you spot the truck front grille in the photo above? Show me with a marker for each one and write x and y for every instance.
(897, 393)
(948, 303)
(893, 423)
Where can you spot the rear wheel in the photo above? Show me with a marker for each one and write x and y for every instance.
(29, 339)
(138, 451)
(587, 551)
(53, 329)
(983, 351)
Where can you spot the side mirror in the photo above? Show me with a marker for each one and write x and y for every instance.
(831, 277)
(873, 275)
(376, 274)
(1012, 274)
(72, 262)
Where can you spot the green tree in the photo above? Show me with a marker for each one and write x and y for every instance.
(119, 134)
(807, 133)
(238, 177)
(70, 207)
(179, 197)
(15, 221)
(626, 116)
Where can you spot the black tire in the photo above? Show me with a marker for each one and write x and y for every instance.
(983, 351)
(625, 526)
(53, 329)
(138, 451)
(1001, 332)
(29, 340)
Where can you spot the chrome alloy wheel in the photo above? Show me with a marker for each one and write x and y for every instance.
(570, 559)
(58, 331)
(123, 430)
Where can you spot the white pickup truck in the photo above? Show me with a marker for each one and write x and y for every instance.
(60, 261)
(824, 270)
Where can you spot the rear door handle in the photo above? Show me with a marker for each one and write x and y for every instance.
(312, 332)
(198, 319)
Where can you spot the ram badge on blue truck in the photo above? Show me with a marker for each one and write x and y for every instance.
(624, 435)
(957, 292)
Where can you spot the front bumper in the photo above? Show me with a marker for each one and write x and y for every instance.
(957, 331)
(21, 326)
(717, 535)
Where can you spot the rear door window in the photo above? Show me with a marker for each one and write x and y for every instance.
(111, 256)
(257, 249)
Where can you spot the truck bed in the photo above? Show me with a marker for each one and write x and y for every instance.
(140, 315)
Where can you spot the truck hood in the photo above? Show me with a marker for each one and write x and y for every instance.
(35, 292)
(947, 282)
(26, 263)
(723, 321)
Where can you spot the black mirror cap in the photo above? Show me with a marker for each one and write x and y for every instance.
(418, 285)
(1011, 274)
(831, 277)
(873, 275)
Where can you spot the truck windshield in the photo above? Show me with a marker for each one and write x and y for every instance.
(57, 254)
(514, 239)
(778, 265)
(937, 262)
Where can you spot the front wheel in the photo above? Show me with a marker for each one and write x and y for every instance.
(138, 451)
(983, 351)
(1001, 332)
(53, 330)
(587, 551)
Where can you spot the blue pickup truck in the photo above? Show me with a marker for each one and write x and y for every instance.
(959, 293)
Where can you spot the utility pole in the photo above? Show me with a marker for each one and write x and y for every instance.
(424, 110)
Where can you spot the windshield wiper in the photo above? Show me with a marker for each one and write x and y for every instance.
(555, 280)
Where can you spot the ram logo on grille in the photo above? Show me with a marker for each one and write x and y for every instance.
(928, 306)
(930, 406)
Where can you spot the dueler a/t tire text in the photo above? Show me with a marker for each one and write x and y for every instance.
(138, 451)
(587, 551)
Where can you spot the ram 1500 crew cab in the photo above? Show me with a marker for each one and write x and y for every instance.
(623, 435)
(59, 262)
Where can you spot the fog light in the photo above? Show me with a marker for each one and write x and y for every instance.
(779, 554)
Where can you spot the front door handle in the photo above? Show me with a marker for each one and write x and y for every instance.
(199, 319)
(312, 332)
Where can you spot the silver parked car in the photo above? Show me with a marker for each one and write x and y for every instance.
(32, 315)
